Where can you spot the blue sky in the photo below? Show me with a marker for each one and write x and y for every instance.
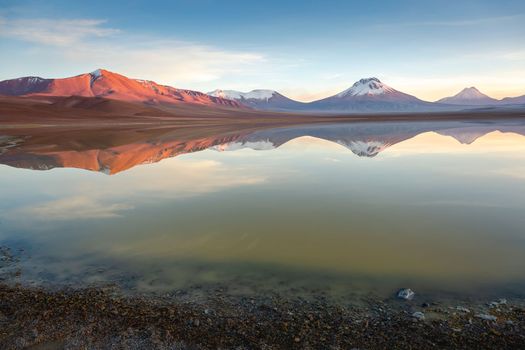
(304, 49)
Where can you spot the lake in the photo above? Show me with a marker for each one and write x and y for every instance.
(345, 210)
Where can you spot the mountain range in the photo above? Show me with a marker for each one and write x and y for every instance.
(368, 95)
(103, 83)
(365, 95)
(261, 99)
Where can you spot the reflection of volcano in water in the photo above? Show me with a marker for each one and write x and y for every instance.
(369, 139)
(113, 151)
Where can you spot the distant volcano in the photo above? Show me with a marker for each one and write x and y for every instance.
(469, 97)
(371, 95)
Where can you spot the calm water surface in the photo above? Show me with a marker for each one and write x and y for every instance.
(347, 210)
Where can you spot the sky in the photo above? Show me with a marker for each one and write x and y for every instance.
(303, 49)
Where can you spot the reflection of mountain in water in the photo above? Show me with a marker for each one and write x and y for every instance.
(113, 151)
(369, 139)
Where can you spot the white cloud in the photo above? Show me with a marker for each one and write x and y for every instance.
(62, 32)
(165, 61)
(90, 43)
(453, 23)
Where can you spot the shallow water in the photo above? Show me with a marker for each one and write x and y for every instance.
(350, 209)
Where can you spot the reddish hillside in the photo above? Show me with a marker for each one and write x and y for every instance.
(102, 83)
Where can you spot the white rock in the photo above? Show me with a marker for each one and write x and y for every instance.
(462, 309)
(406, 293)
(498, 303)
(487, 317)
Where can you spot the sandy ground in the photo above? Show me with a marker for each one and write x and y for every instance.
(23, 112)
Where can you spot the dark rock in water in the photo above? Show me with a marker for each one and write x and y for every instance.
(406, 294)
(425, 305)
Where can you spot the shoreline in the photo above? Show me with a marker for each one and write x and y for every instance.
(20, 113)
(98, 318)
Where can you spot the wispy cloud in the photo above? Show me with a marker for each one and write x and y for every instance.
(516, 54)
(61, 32)
(167, 61)
(93, 43)
(453, 23)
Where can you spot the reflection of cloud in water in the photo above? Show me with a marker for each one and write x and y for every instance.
(73, 208)
(90, 196)
(460, 203)
(434, 143)
(516, 173)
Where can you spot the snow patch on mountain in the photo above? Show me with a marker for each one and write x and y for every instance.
(259, 94)
(255, 145)
(95, 75)
(369, 86)
(366, 148)
(33, 80)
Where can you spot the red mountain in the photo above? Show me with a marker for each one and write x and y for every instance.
(102, 83)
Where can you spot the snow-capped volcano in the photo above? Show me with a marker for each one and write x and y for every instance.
(370, 95)
(373, 89)
(469, 96)
(260, 99)
(369, 86)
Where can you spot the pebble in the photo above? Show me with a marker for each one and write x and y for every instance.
(487, 317)
(463, 309)
(406, 294)
(418, 315)
(498, 303)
